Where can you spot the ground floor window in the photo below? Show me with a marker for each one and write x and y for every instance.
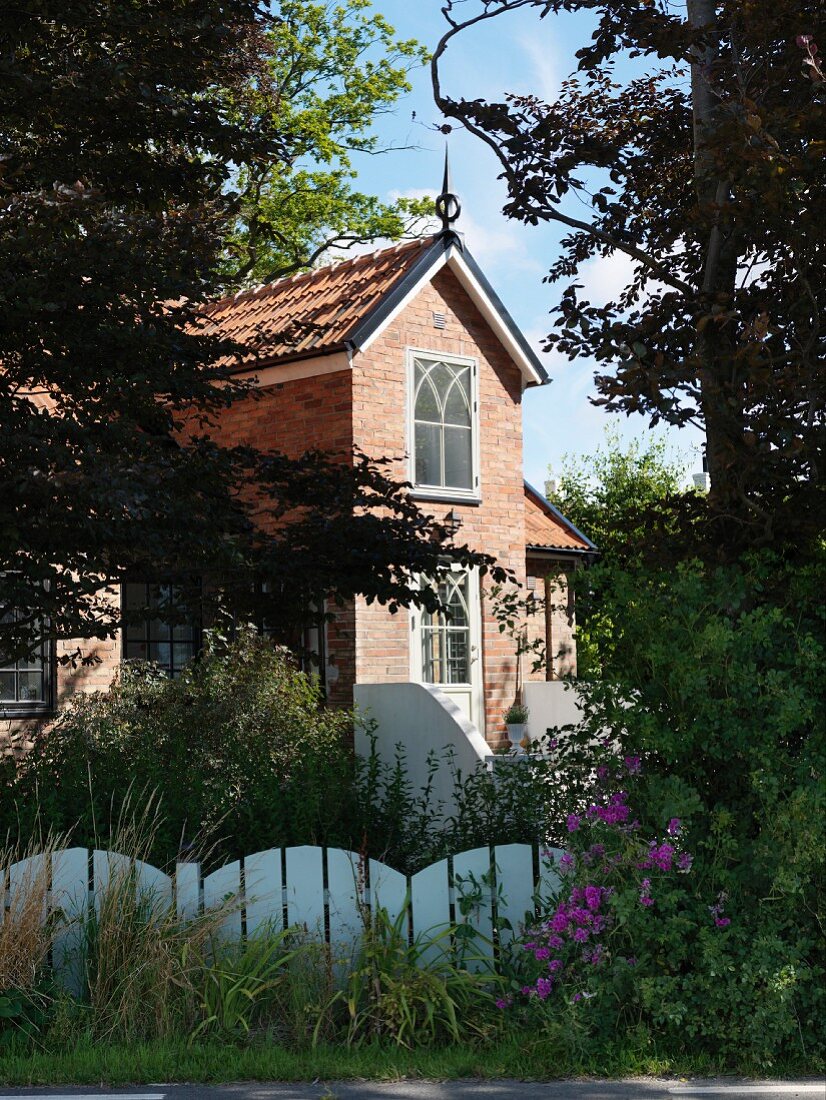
(307, 643)
(161, 624)
(446, 652)
(26, 683)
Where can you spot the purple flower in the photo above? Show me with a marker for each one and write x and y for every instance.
(555, 941)
(645, 897)
(722, 922)
(554, 965)
(602, 772)
(593, 897)
(566, 861)
(559, 922)
(633, 765)
(541, 953)
(684, 861)
(503, 1002)
(573, 822)
(660, 856)
(576, 997)
(552, 744)
(543, 987)
(580, 935)
(674, 826)
(631, 960)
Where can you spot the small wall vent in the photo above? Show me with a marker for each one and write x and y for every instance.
(439, 320)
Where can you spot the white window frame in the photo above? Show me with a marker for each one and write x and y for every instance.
(439, 492)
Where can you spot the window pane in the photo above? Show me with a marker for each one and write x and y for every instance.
(458, 458)
(182, 654)
(427, 405)
(160, 652)
(432, 662)
(458, 666)
(457, 604)
(441, 376)
(30, 687)
(457, 405)
(428, 459)
(134, 595)
(7, 691)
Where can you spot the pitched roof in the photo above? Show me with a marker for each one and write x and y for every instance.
(312, 313)
(547, 529)
(345, 305)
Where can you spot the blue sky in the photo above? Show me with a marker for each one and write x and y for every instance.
(514, 53)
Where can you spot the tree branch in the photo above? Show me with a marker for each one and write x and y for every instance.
(448, 107)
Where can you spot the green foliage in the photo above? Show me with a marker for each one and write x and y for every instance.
(127, 130)
(621, 497)
(410, 994)
(336, 66)
(660, 150)
(238, 754)
(238, 978)
(610, 492)
(238, 749)
(714, 682)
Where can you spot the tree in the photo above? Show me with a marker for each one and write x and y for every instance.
(626, 499)
(334, 68)
(704, 167)
(612, 493)
(123, 126)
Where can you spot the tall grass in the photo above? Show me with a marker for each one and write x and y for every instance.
(144, 964)
(26, 937)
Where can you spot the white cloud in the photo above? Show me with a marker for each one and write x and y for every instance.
(546, 74)
(604, 277)
(489, 236)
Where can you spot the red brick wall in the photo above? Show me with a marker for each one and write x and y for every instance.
(495, 526)
(293, 417)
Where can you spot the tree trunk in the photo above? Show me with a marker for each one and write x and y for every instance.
(720, 397)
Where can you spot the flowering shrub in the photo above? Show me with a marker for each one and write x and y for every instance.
(637, 941)
(609, 869)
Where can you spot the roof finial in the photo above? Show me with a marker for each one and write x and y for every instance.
(448, 206)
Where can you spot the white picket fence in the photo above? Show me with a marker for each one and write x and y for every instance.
(323, 891)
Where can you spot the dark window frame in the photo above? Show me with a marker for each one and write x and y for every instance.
(197, 626)
(36, 708)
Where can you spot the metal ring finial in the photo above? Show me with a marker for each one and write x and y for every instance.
(447, 204)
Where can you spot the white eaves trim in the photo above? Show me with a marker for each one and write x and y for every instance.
(454, 260)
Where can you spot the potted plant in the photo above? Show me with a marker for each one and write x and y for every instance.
(516, 719)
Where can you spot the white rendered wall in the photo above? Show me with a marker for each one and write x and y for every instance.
(551, 703)
(423, 720)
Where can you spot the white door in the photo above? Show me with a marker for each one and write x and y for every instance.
(446, 650)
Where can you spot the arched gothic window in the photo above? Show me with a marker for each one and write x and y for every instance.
(444, 424)
(446, 638)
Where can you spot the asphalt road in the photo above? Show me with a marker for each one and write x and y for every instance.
(641, 1089)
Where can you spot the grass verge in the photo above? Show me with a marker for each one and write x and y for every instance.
(114, 1065)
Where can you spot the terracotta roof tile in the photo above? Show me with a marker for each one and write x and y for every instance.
(309, 314)
(546, 529)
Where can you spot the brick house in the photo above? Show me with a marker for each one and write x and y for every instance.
(404, 351)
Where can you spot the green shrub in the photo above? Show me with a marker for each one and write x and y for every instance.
(238, 748)
(714, 704)
(241, 755)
